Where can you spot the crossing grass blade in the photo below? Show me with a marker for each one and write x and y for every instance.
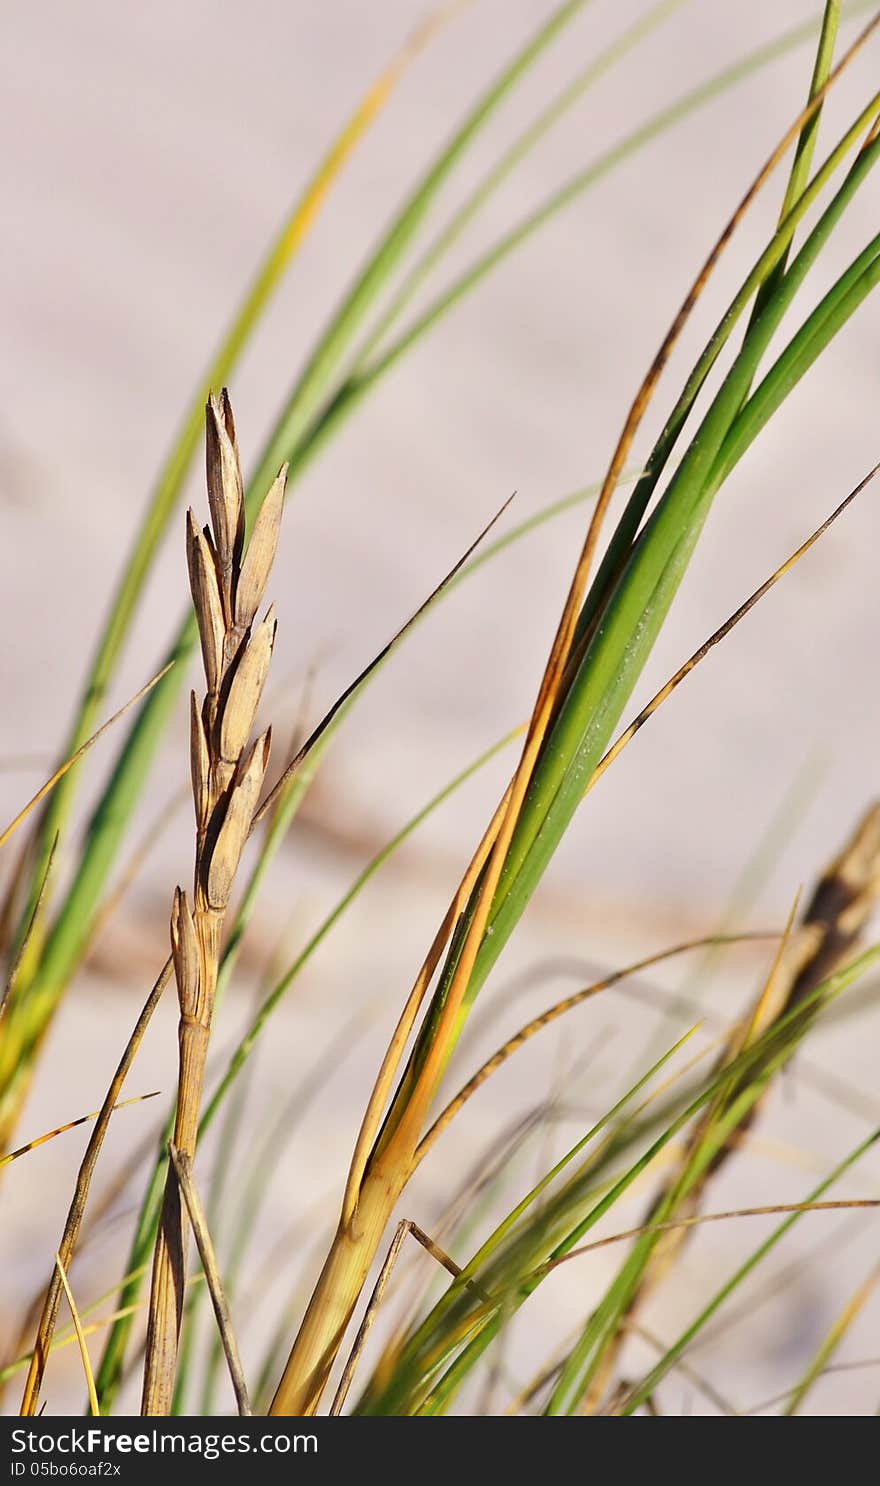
(648, 1384)
(32, 1145)
(112, 1360)
(512, 1262)
(80, 1338)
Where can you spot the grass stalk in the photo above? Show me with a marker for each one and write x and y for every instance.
(227, 776)
(199, 1224)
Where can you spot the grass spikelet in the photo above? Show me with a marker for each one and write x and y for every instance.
(227, 778)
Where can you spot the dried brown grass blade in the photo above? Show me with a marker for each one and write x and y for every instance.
(80, 1337)
(405, 1226)
(183, 1167)
(391, 1061)
(73, 1224)
(723, 631)
(39, 1140)
(685, 1224)
(558, 1009)
(291, 767)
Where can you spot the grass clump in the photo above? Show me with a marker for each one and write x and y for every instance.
(672, 1125)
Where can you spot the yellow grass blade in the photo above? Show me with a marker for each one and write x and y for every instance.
(71, 1125)
(83, 1349)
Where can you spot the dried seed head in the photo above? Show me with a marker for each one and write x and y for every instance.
(260, 553)
(243, 699)
(206, 600)
(846, 893)
(185, 953)
(225, 496)
(237, 822)
(199, 762)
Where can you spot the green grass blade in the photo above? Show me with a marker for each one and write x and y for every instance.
(188, 441)
(356, 386)
(841, 302)
(657, 1373)
(518, 1266)
(803, 155)
(831, 1341)
(622, 539)
(313, 385)
(758, 1062)
(477, 1265)
(584, 1360)
(614, 659)
(504, 168)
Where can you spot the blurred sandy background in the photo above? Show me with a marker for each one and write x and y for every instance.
(151, 152)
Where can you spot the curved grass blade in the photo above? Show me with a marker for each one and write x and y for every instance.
(80, 1198)
(445, 1315)
(676, 1225)
(723, 631)
(648, 1384)
(176, 467)
(826, 934)
(560, 1008)
(503, 1271)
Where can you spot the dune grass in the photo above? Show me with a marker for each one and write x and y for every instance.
(664, 1129)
